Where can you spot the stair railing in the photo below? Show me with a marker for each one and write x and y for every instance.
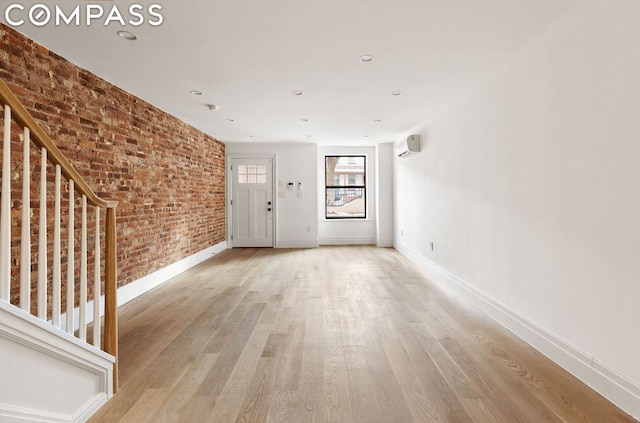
(48, 286)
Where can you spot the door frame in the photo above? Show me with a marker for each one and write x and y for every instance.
(229, 193)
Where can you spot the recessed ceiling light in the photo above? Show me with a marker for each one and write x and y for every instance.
(127, 35)
(249, 136)
(308, 136)
(296, 92)
(377, 120)
(396, 93)
(196, 92)
(230, 120)
(366, 136)
(367, 58)
(304, 120)
(212, 107)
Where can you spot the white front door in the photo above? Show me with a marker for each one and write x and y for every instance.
(252, 202)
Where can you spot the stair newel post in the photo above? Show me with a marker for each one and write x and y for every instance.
(111, 303)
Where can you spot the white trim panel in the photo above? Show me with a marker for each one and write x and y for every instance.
(73, 379)
(606, 381)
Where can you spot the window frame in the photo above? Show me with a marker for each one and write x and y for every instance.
(363, 186)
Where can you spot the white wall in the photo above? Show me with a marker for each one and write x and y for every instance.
(348, 231)
(296, 218)
(384, 191)
(529, 189)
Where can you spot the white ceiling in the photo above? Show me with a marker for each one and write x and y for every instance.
(247, 56)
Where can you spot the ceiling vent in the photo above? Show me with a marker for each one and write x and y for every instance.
(408, 147)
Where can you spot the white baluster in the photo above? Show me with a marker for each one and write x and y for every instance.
(25, 244)
(83, 272)
(42, 240)
(96, 284)
(5, 210)
(56, 291)
(71, 256)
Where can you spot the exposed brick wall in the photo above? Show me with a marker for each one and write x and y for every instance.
(167, 176)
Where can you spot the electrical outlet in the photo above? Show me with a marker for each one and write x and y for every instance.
(308, 228)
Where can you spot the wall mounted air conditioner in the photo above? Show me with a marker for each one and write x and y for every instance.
(408, 147)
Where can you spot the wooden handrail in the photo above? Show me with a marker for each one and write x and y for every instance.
(41, 139)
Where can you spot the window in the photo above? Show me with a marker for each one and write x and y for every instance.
(252, 174)
(345, 189)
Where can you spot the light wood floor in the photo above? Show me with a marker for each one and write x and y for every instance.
(335, 334)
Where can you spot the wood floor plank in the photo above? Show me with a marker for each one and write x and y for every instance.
(393, 406)
(295, 406)
(421, 405)
(336, 392)
(361, 386)
(292, 358)
(228, 324)
(495, 393)
(174, 408)
(448, 405)
(339, 334)
(142, 411)
(258, 399)
(221, 370)
(231, 398)
(313, 353)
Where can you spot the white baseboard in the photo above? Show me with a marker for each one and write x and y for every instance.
(347, 240)
(297, 244)
(136, 288)
(384, 243)
(614, 386)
